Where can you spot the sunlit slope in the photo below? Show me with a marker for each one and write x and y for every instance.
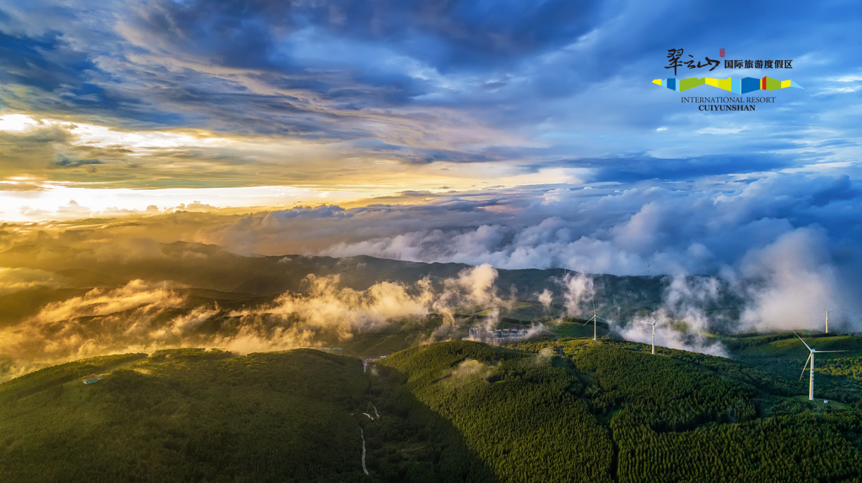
(571, 327)
(55, 378)
(786, 345)
(838, 375)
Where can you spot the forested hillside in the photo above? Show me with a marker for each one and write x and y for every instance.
(613, 411)
(540, 410)
(519, 412)
(692, 420)
(190, 415)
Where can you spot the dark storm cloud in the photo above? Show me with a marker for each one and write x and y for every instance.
(50, 74)
(44, 63)
(448, 35)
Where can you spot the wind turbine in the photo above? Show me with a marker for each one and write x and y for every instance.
(827, 321)
(593, 320)
(653, 334)
(811, 374)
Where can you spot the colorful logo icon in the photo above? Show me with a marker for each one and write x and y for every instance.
(738, 86)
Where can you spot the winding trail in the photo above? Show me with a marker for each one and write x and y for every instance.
(362, 433)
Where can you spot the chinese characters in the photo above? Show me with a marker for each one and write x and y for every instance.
(674, 61)
(758, 64)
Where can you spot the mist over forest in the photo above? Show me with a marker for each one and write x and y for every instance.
(100, 288)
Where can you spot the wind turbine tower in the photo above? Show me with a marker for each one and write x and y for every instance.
(653, 335)
(593, 319)
(827, 321)
(811, 373)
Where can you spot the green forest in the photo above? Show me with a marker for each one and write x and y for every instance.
(544, 410)
(209, 416)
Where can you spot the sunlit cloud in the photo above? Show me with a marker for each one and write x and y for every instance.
(92, 135)
(17, 123)
(55, 201)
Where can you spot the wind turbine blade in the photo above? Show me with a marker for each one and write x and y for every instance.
(821, 352)
(589, 320)
(800, 338)
(805, 366)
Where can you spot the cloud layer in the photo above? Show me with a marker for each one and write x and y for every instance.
(144, 316)
(388, 95)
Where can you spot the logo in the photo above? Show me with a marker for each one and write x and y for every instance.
(744, 85)
(737, 86)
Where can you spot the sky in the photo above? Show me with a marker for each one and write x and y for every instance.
(521, 134)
